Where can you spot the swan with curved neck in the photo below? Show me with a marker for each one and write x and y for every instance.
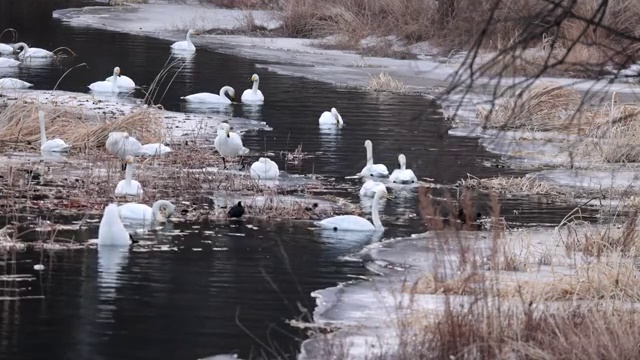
(111, 231)
(53, 145)
(253, 95)
(128, 186)
(331, 118)
(107, 86)
(159, 212)
(403, 175)
(371, 169)
(31, 52)
(186, 46)
(124, 82)
(228, 143)
(227, 95)
(357, 223)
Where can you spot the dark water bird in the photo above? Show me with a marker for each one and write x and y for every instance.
(312, 207)
(236, 211)
(133, 241)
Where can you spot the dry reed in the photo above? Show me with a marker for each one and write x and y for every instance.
(384, 82)
(19, 124)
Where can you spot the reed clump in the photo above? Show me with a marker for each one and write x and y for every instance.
(19, 124)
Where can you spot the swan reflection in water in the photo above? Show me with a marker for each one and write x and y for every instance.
(111, 260)
(252, 111)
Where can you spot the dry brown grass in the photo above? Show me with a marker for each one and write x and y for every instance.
(19, 125)
(244, 4)
(384, 82)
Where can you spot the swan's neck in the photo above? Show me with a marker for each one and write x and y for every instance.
(189, 38)
(369, 155)
(157, 216)
(224, 91)
(254, 88)
(374, 212)
(43, 134)
(114, 81)
(403, 165)
(128, 174)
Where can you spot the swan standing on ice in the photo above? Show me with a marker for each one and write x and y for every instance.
(356, 223)
(370, 187)
(229, 144)
(128, 186)
(253, 95)
(154, 149)
(371, 169)
(120, 144)
(403, 175)
(185, 45)
(264, 169)
(11, 83)
(53, 145)
(5, 63)
(227, 95)
(112, 232)
(107, 86)
(331, 118)
(158, 213)
(31, 52)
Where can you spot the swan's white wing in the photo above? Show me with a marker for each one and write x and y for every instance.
(6, 49)
(403, 176)
(111, 231)
(183, 46)
(207, 98)
(370, 187)
(136, 212)
(327, 118)
(11, 83)
(121, 145)
(55, 145)
(4, 62)
(134, 188)
(154, 149)
(38, 53)
(249, 97)
(379, 170)
(103, 86)
(123, 81)
(346, 223)
(262, 171)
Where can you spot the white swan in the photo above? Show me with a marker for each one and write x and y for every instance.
(120, 144)
(403, 175)
(253, 95)
(6, 49)
(112, 232)
(128, 186)
(205, 97)
(31, 52)
(264, 169)
(53, 145)
(11, 83)
(370, 187)
(5, 62)
(356, 223)
(228, 144)
(331, 118)
(372, 169)
(185, 45)
(154, 149)
(107, 86)
(124, 82)
(160, 211)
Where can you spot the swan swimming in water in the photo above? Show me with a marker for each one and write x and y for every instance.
(253, 95)
(370, 187)
(107, 86)
(227, 94)
(124, 81)
(31, 52)
(356, 223)
(185, 45)
(403, 175)
(6, 49)
(331, 118)
(229, 144)
(371, 169)
(111, 231)
(158, 213)
(128, 186)
(11, 83)
(264, 169)
(53, 145)
(5, 63)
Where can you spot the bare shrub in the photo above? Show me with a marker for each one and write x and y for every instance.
(384, 82)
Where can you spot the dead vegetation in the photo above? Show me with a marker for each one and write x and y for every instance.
(19, 126)
(384, 82)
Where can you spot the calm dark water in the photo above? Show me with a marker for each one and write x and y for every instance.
(183, 303)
